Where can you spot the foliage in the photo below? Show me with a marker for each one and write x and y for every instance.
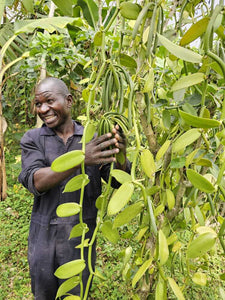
(140, 61)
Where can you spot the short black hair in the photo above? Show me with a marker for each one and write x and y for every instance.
(60, 85)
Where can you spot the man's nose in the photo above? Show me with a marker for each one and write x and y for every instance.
(43, 108)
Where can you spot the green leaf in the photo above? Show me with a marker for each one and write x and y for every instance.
(147, 163)
(72, 298)
(141, 271)
(109, 232)
(127, 61)
(170, 199)
(162, 150)
(222, 276)
(163, 248)
(76, 182)
(187, 81)
(67, 209)
(121, 176)
(89, 132)
(2, 7)
(180, 52)
(195, 31)
(98, 38)
(175, 288)
(199, 216)
(128, 214)
(198, 121)
(67, 285)
(186, 139)
(90, 11)
(200, 182)
(202, 244)
(160, 291)
(29, 5)
(199, 278)
(49, 24)
(77, 230)
(66, 7)
(120, 198)
(149, 81)
(127, 255)
(70, 269)
(68, 161)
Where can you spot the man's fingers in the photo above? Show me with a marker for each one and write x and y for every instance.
(105, 144)
(103, 138)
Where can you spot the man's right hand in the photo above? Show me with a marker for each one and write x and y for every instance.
(97, 151)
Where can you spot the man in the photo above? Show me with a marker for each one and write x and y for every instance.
(48, 244)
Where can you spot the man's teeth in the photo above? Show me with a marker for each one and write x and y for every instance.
(49, 117)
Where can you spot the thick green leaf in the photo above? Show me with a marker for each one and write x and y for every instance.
(67, 285)
(163, 248)
(66, 7)
(180, 52)
(141, 271)
(149, 81)
(186, 139)
(187, 81)
(49, 24)
(67, 209)
(202, 244)
(162, 150)
(67, 161)
(29, 5)
(90, 11)
(98, 38)
(2, 7)
(200, 278)
(77, 230)
(127, 255)
(90, 131)
(121, 176)
(72, 298)
(170, 199)
(129, 10)
(195, 31)
(177, 291)
(120, 198)
(160, 291)
(200, 182)
(127, 61)
(76, 182)
(109, 232)
(70, 269)
(199, 215)
(148, 163)
(128, 214)
(198, 121)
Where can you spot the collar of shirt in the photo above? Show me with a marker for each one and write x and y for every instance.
(78, 129)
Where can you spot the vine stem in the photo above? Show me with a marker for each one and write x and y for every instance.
(99, 222)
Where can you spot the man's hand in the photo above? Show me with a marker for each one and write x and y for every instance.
(97, 151)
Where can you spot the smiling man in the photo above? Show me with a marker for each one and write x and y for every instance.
(48, 244)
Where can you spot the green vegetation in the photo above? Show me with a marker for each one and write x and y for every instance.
(160, 65)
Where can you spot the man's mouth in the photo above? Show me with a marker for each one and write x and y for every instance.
(49, 119)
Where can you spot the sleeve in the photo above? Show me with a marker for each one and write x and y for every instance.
(33, 159)
(105, 174)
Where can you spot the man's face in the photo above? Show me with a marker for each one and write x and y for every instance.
(51, 106)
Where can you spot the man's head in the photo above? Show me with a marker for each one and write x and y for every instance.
(53, 102)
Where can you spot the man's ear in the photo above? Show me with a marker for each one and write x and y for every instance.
(69, 99)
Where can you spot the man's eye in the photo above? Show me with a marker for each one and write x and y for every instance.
(50, 101)
(37, 104)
